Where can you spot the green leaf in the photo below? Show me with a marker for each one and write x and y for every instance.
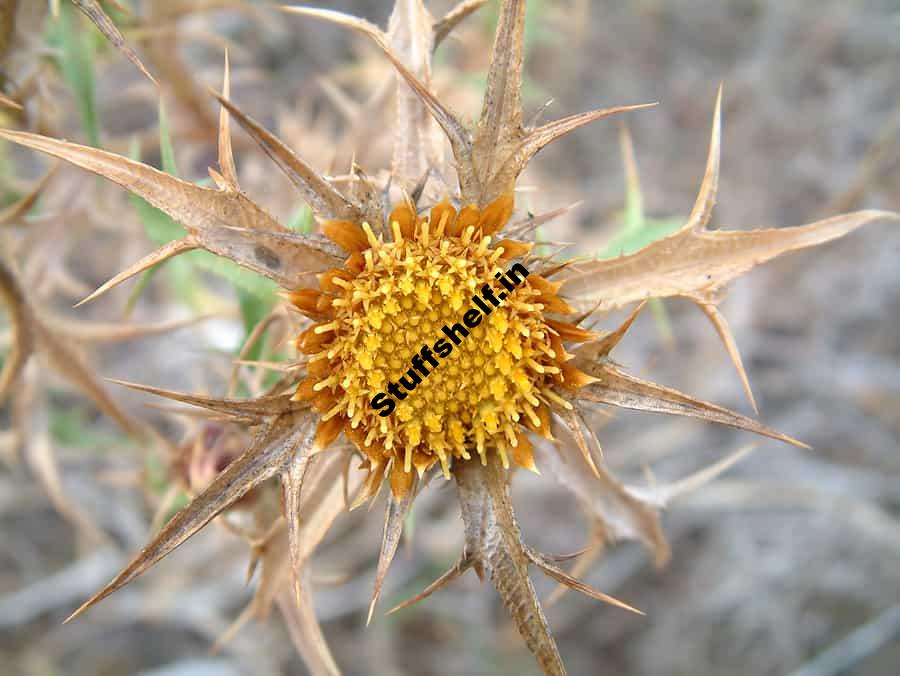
(302, 220)
(631, 239)
(254, 309)
(72, 426)
(540, 235)
(239, 277)
(166, 150)
(77, 65)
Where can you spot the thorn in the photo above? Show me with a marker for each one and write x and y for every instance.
(226, 153)
(706, 196)
(165, 252)
(727, 338)
(694, 481)
(606, 344)
(461, 567)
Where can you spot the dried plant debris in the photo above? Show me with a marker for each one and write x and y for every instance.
(56, 343)
(105, 25)
(381, 282)
(35, 335)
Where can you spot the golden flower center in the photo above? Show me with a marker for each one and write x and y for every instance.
(447, 395)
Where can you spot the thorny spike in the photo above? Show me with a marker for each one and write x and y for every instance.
(226, 154)
(697, 221)
(601, 347)
(227, 224)
(163, 253)
(706, 197)
(562, 577)
(95, 13)
(270, 451)
(23, 337)
(322, 196)
(323, 501)
(727, 337)
(258, 409)
(591, 553)
(444, 26)
(32, 336)
(500, 125)
(415, 144)
(691, 263)
(666, 494)
(16, 211)
(445, 579)
(291, 484)
(622, 514)
(460, 139)
(494, 544)
(394, 518)
(534, 140)
(574, 423)
(617, 388)
(694, 262)
(501, 147)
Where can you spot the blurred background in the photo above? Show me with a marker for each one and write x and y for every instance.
(789, 562)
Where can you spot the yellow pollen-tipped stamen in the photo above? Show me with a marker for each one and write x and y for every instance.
(467, 235)
(322, 384)
(511, 435)
(398, 234)
(532, 415)
(503, 457)
(556, 399)
(374, 242)
(325, 328)
(445, 465)
(442, 224)
(334, 410)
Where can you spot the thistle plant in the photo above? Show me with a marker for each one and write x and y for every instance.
(393, 260)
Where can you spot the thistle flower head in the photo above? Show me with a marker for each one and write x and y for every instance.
(393, 297)
(379, 288)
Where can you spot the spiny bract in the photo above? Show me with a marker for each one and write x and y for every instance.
(381, 285)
